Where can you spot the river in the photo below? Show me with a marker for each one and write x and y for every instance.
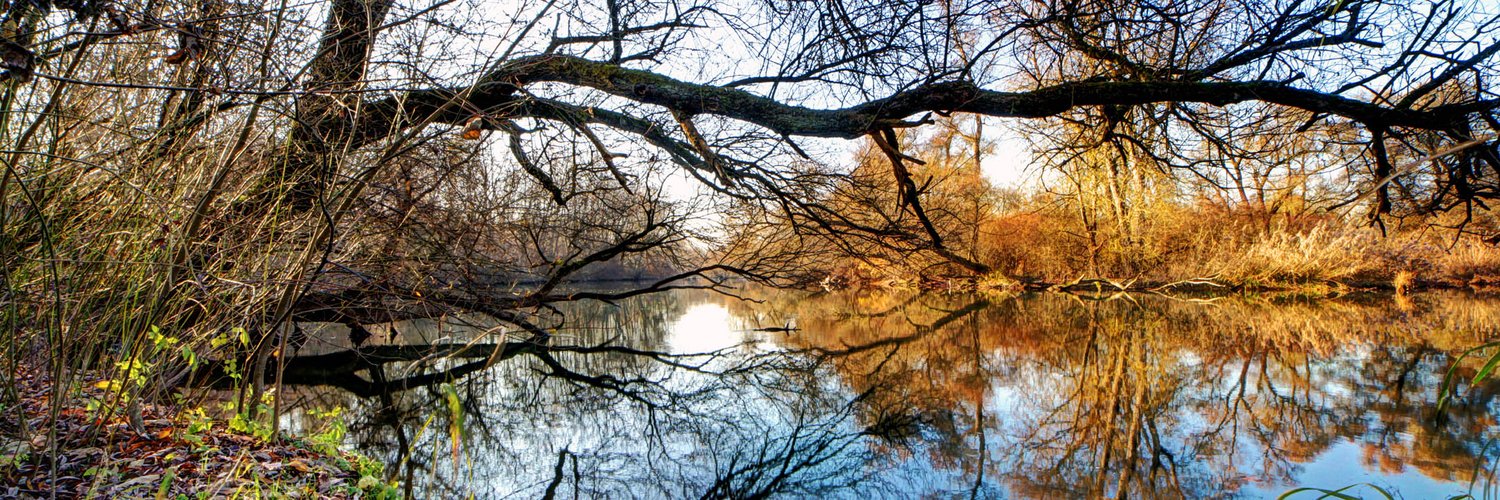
(899, 395)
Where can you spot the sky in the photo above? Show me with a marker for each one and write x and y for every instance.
(719, 55)
(1011, 164)
(733, 56)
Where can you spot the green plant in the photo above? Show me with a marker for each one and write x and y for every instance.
(13, 453)
(370, 472)
(246, 423)
(1344, 493)
(1445, 391)
(455, 421)
(1338, 493)
(332, 435)
(166, 483)
(198, 423)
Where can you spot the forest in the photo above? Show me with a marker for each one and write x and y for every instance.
(318, 248)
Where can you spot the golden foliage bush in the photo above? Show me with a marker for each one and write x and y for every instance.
(1042, 239)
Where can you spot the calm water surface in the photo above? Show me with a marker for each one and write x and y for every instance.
(938, 396)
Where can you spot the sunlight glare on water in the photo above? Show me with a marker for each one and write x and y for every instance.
(949, 396)
(704, 328)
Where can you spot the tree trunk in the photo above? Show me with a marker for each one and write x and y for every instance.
(328, 111)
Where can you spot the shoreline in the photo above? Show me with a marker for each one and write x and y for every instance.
(92, 450)
(1197, 286)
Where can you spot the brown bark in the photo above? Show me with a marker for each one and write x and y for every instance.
(325, 114)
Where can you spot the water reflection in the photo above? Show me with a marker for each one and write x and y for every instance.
(682, 395)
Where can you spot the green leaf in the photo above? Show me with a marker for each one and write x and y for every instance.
(1445, 391)
(1489, 366)
(190, 356)
(455, 424)
(166, 483)
(1338, 493)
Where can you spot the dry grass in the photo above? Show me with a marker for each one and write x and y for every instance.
(1470, 261)
(1047, 243)
(1320, 255)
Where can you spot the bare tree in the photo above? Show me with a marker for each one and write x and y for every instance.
(249, 164)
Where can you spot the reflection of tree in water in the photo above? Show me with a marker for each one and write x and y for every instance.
(599, 410)
(1039, 395)
(1397, 385)
(1142, 396)
(507, 389)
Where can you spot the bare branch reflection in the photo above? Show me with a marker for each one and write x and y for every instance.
(1037, 395)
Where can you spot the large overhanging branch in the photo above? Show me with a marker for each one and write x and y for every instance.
(500, 88)
(501, 96)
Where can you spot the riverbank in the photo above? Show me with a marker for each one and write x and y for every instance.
(92, 452)
(1193, 248)
(1399, 283)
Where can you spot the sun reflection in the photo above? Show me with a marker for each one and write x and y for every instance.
(704, 328)
(1042, 395)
